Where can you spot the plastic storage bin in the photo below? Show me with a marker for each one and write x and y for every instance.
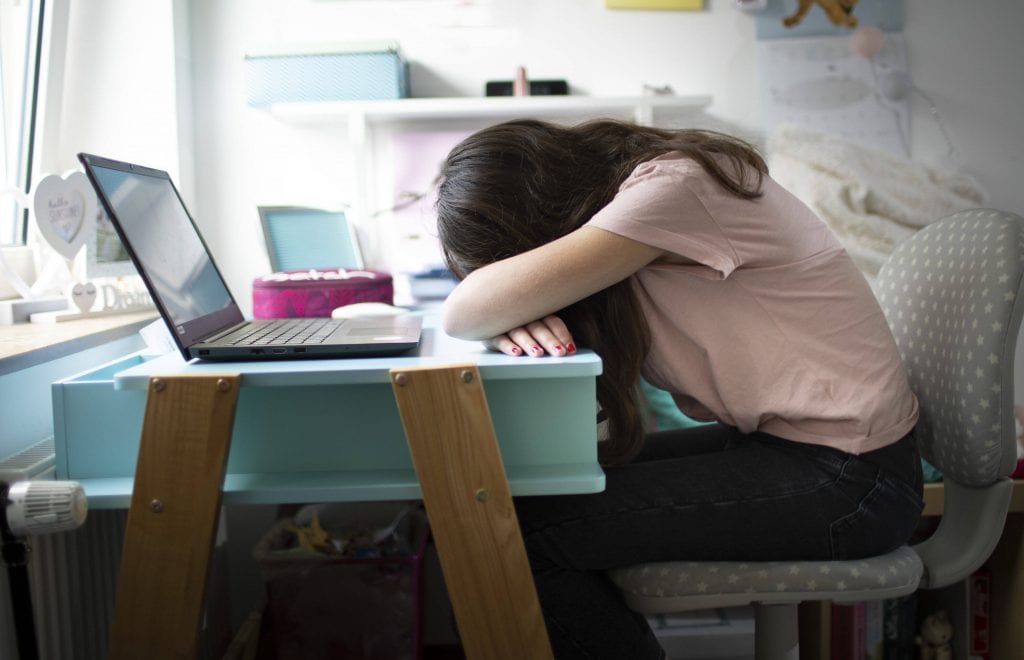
(345, 72)
(365, 607)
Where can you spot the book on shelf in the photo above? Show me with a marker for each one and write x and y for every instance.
(874, 643)
(899, 628)
(847, 630)
(979, 606)
(890, 629)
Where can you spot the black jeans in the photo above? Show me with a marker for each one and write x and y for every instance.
(708, 493)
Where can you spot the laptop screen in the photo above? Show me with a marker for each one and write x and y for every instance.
(166, 247)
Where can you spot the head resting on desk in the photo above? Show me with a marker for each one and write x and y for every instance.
(521, 184)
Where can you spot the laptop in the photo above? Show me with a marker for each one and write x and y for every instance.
(164, 244)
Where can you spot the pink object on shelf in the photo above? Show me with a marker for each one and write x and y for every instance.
(521, 84)
(317, 292)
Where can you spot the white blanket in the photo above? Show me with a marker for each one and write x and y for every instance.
(870, 198)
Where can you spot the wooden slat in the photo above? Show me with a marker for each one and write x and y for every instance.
(815, 630)
(472, 518)
(934, 504)
(186, 433)
(1017, 497)
(934, 493)
(1007, 600)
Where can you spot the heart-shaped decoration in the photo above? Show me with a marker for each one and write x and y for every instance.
(84, 296)
(7, 271)
(65, 210)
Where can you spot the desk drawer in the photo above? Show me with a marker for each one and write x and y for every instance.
(337, 432)
(95, 427)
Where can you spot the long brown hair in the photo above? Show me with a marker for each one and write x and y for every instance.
(520, 184)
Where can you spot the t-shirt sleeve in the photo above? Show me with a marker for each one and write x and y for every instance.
(664, 205)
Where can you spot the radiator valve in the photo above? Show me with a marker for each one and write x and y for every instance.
(44, 507)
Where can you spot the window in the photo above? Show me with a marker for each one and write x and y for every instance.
(20, 28)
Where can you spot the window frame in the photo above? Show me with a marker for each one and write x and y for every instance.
(21, 140)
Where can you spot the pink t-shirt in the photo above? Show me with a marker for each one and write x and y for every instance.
(775, 330)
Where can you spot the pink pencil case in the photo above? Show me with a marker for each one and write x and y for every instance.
(317, 292)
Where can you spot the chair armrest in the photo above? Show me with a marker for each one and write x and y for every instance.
(971, 525)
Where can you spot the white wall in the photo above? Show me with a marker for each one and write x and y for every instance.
(966, 56)
(118, 97)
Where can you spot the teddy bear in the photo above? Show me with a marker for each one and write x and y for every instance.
(933, 640)
(839, 12)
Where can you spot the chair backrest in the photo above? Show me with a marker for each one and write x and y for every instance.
(952, 296)
(299, 238)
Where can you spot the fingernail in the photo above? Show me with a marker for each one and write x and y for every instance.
(558, 348)
(536, 349)
(516, 350)
(571, 348)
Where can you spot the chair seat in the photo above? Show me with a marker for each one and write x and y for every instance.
(650, 588)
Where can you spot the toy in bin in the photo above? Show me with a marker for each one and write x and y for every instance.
(346, 581)
(316, 292)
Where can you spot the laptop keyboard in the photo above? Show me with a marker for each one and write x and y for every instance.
(297, 331)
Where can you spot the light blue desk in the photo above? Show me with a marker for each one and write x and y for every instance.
(331, 430)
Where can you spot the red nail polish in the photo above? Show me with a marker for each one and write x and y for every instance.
(516, 350)
(558, 347)
(571, 348)
(536, 349)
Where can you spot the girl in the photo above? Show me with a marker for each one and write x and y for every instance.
(673, 255)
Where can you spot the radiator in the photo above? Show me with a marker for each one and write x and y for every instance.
(73, 578)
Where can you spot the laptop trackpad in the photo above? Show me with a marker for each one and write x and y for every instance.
(375, 330)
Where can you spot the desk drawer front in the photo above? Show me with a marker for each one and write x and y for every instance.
(338, 428)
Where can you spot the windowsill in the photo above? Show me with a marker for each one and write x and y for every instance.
(25, 345)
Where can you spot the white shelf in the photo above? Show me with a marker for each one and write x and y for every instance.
(362, 120)
(641, 107)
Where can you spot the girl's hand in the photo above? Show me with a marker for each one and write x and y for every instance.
(547, 335)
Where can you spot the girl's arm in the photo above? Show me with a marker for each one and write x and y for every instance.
(512, 294)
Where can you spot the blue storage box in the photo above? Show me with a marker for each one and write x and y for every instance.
(348, 72)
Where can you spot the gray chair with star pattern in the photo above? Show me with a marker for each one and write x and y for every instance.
(952, 296)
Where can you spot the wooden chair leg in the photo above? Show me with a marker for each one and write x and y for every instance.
(172, 519)
(472, 518)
